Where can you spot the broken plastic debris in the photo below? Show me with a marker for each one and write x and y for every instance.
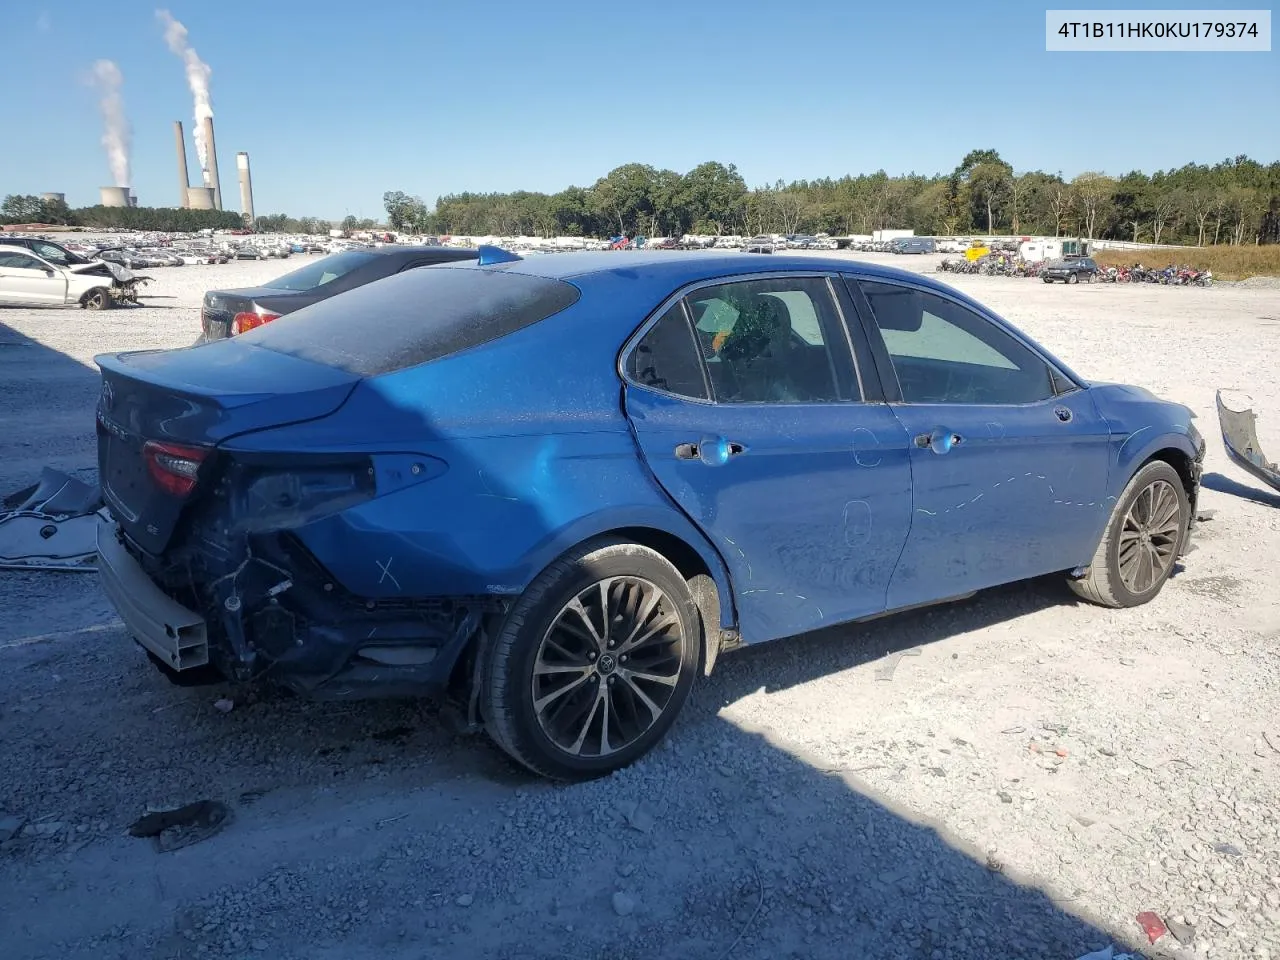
(224, 705)
(1240, 436)
(1151, 925)
(1108, 954)
(174, 829)
(51, 525)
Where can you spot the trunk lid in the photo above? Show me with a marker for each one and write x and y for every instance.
(159, 405)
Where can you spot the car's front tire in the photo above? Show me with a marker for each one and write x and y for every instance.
(98, 298)
(1141, 542)
(587, 672)
(1073, 278)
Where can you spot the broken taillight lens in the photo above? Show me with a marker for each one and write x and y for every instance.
(246, 321)
(174, 467)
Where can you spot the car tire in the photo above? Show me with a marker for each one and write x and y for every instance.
(1141, 521)
(1073, 278)
(545, 636)
(99, 298)
(1090, 278)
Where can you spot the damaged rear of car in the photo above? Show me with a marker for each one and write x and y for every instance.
(258, 528)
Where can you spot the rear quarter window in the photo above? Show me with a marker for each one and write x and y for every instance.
(414, 317)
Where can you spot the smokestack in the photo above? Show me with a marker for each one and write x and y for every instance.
(184, 180)
(246, 188)
(213, 163)
(115, 196)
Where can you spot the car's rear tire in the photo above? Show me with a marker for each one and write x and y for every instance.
(617, 622)
(1149, 523)
(98, 298)
(1047, 279)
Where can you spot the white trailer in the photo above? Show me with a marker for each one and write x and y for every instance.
(1053, 248)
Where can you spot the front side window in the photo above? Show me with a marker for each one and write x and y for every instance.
(667, 358)
(20, 261)
(771, 341)
(945, 353)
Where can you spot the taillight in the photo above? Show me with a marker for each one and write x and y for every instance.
(173, 466)
(243, 322)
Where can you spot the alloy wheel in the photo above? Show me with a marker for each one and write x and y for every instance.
(1149, 535)
(608, 666)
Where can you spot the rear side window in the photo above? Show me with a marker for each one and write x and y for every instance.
(413, 317)
(667, 358)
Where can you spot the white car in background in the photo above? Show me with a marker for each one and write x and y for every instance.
(29, 280)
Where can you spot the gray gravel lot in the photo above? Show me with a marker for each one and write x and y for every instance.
(1018, 775)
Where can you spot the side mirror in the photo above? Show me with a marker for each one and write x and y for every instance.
(49, 271)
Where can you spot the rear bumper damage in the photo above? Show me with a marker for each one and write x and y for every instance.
(273, 614)
(1240, 437)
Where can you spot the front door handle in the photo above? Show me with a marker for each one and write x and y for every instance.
(713, 451)
(939, 440)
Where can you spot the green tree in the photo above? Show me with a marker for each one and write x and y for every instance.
(625, 195)
(350, 224)
(1093, 195)
(22, 208)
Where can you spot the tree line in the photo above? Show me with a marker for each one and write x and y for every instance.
(20, 208)
(1235, 201)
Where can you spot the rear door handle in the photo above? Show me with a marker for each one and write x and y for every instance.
(712, 451)
(939, 440)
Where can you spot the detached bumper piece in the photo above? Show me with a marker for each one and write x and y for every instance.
(178, 636)
(1240, 436)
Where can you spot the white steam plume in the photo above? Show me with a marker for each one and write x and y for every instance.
(116, 135)
(198, 73)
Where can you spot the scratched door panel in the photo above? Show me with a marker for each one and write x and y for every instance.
(810, 517)
(1023, 493)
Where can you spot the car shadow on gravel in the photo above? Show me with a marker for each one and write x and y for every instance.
(1222, 484)
(42, 391)
(800, 659)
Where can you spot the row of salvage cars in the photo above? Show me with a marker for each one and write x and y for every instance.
(553, 491)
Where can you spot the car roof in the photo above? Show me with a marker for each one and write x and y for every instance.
(452, 253)
(676, 268)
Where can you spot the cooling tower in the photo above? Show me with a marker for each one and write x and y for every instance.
(115, 196)
(200, 198)
(184, 180)
(213, 163)
(246, 187)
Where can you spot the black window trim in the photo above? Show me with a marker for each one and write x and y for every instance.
(833, 282)
(884, 363)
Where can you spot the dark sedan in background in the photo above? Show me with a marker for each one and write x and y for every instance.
(1071, 271)
(226, 313)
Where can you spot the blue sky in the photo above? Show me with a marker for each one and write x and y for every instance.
(337, 102)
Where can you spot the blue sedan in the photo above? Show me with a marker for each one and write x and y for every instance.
(553, 491)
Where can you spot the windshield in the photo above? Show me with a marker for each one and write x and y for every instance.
(55, 253)
(322, 271)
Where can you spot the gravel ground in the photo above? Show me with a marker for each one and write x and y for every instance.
(1019, 775)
